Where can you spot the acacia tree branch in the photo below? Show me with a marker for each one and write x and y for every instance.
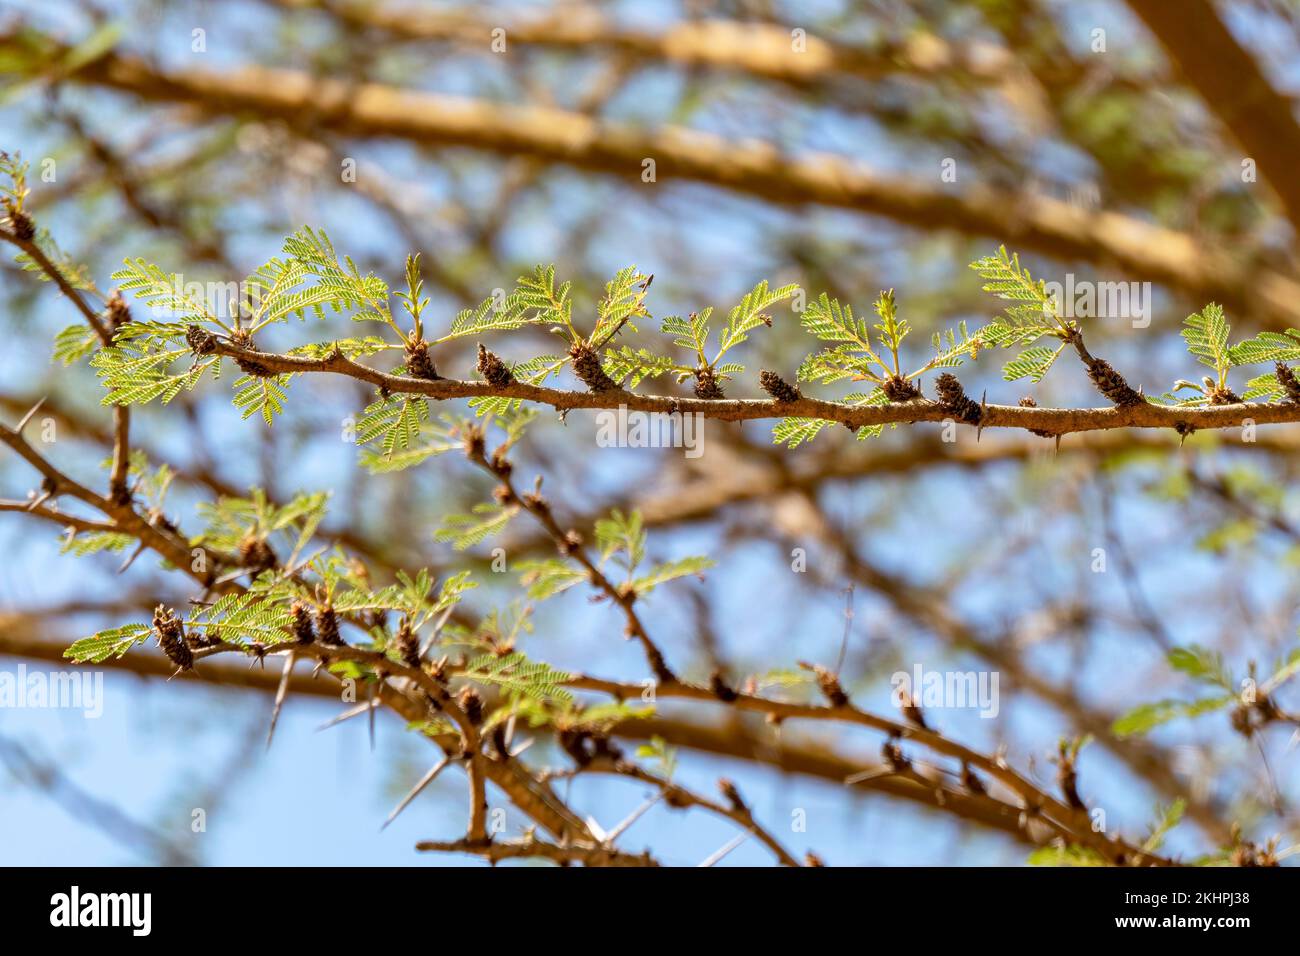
(1234, 87)
(1048, 225)
(1057, 421)
(763, 50)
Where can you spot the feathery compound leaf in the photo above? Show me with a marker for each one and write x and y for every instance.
(1169, 817)
(635, 365)
(832, 322)
(1202, 664)
(691, 332)
(1007, 279)
(954, 345)
(1267, 347)
(1032, 364)
(161, 292)
(669, 571)
(135, 374)
(395, 421)
(1206, 333)
(96, 541)
(751, 313)
(793, 432)
(549, 577)
(466, 530)
(623, 301)
(622, 534)
(340, 282)
(493, 314)
(1146, 717)
(519, 677)
(1072, 855)
(113, 642)
(74, 343)
(836, 364)
(264, 394)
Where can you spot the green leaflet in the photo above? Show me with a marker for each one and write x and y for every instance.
(114, 642)
(519, 677)
(1206, 333)
(1146, 717)
(466, 530)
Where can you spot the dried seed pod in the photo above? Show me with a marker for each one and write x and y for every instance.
(706, 384)
(1221, 394)
(586, 365)
(574, 743)
(954, 400)
(602, 746)
(19, 221)
(117, 311)
(1111, 384)
(777, 387)
(1067, 779)
(899, 389)
(327, 626)
(829, 684)
(660, 667)
(720, 688)
(300, 623)
(1028, 402)
(257, 555)
(500, 746)
(493, 370)
(171, 637)
(971, 782)
(406, 645)
(912, 711)
(893, 756)
(732, 795)
(1286, 378)
(472, 704)
(418, 363)
(200, 340)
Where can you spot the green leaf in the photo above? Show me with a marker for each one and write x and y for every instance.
(634, 365)
(1206, 333)
(689, 333)
(161, 292)
(1201, 664)
(669, 571)
(261, 394)
(832, 322)
(1169, 817)
(466, 530)
(1072, 855)
(623, 301)
(751, 313)
(549, 577)
(1032, 364)
(1267, 347)
(1146, 717)
(519, 677)
(395, 421)
(622, 534)
(113, 642)
(74, 343)
(793, 432)
(1004, 277)
(93, 542)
